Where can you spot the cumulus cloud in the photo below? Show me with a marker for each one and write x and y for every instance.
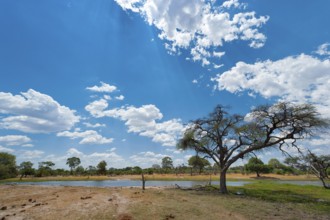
(6, 149)
(104, 88)
(301, 78)
(199, 26)
(34, 112)
(323, 50)
(147, 159)
(14, 140)
(97, 125)
(30, 154)
(120, 98)
(87, 137)
(97, 107)
(112, 159)
(142, 120)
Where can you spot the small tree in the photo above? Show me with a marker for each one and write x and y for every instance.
(198, 162)
(226, 138)
(275, 163)
(295, 164)
(91, 170)
(102, 168)
(318, 165)
(26, 168)
(7, 165)
(256, 165)
(45, 168)
(73, 162)
(167, 163)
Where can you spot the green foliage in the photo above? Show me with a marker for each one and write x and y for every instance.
(102, 168)
(226, 138)
(7, 165)
(314, 196)
(198, 162)
(167, 163)
(45, 169)
(73, 162)
(256, 165)
(26, 168)
(80, 170)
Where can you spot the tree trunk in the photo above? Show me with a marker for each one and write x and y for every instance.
(143, 182)
(223, 185)
(325, 185)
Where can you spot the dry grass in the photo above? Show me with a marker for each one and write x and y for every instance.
(38, 202)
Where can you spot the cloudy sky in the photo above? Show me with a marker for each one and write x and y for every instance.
(118, 80)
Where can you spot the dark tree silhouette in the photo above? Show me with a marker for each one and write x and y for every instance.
(227, 138)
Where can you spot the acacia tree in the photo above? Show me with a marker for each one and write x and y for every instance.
(227, 138)
(102, 167)
(167, 163)
(26, 168)
(318, 165)
(7, 165)
(198, 162)
(256, 165)
(45, 168)
(72, 162)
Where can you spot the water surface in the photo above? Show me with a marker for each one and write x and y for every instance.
(129, 183)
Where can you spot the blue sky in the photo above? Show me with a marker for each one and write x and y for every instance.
(118, 80)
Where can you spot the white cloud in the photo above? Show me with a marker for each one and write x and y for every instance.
(112, 149)
(107, 97)
(30, 154)
(27, 145)
(323, 50)
(5, 149)
(97, 107)
(14, 140)
(142, 120)
(87, 137)
(174, 151)
(106, 88)
(195, 81)
(97, 125)
(121, 97)
(147, 159)
(112, 159)
(232, 3)
(34, 112)
(199, 25)
(301, 78)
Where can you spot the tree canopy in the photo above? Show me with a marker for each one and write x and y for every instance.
(73, 162)
(198, 162)
(102, 167)
(256, 165)
(167, 163)
(7, 165)
(26, 168)
(226, 138)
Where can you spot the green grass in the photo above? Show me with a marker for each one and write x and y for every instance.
(312, 197)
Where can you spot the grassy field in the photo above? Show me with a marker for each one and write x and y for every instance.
(310, 197)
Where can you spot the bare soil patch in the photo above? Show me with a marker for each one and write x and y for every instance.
(50, 203)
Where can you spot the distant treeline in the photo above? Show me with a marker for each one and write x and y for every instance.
(196, 165)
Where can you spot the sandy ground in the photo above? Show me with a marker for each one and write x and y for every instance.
(70, 203)
(50, 203)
